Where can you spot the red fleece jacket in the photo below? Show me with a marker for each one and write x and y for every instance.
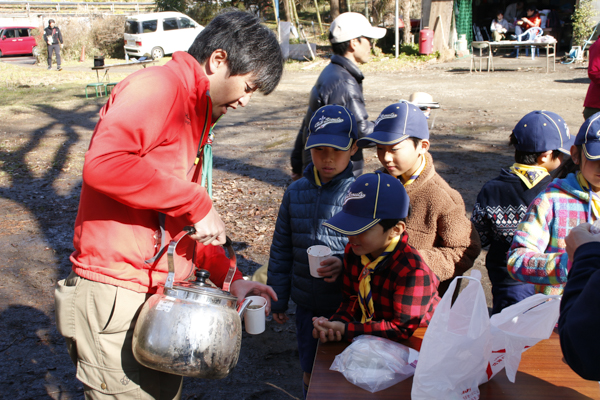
(141, 163)
(592, 98)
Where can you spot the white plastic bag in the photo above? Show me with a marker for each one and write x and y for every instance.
(454, 361)
(375, 363)
(456, 346)
(518, 328)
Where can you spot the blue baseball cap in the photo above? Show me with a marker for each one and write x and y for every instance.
(332, 126)
(397, 123)
(541, 131)
(372, 197)
(589, 137)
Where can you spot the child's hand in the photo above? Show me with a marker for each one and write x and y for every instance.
(280, 318)
(328, 331)
(331, 268)
(577, 236)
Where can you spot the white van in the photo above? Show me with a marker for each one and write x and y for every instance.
(160, 33)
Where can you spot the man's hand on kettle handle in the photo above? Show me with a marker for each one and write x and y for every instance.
(242, 289)
(210, 229)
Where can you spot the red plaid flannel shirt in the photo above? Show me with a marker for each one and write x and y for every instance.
(404, 292)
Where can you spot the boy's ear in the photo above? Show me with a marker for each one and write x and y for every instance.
(218, 59)
(353, 149)
(423, 146)
(398, 229)
(546, 156)
(575, 155)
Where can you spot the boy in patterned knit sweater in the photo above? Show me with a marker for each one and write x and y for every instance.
(395, 290)
(540, 138)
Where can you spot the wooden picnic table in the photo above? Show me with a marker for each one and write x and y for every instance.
(108, 67)
(542, 375)
(492, 46)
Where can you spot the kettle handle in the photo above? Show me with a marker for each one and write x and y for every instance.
(172, 245)
(171, 250)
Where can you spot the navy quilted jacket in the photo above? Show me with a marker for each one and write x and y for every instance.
(305, 206)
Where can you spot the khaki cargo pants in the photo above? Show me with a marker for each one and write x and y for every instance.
(97, 321)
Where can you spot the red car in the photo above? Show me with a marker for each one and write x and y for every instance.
(16, 40)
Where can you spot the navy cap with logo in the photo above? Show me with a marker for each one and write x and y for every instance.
(588, 137)
(332, 126)
(397, 123)
(541, 131)
(372, 197)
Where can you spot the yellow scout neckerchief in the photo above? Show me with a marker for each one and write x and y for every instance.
(416, 174)
(317, 179)
(364, 286)
(531, 175)
(594, 199)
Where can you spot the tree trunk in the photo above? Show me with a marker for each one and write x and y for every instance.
(334, 9)
(343, 6)
(405, 12)
(286, 10)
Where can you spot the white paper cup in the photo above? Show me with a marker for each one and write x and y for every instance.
(316, 254)
(254, 318)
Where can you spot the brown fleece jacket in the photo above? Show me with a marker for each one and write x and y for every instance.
(438, 226)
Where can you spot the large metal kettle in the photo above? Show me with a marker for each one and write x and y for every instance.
(190, 328)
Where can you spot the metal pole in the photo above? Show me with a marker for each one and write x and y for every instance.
(397, 38)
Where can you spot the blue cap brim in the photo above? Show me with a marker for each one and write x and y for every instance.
(350, 225)
(591, 150)
(324, 140)
(381, 137)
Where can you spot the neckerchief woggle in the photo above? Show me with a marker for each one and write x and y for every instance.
(531, 175)
(416, 174)
(365, 298)
(594, 199)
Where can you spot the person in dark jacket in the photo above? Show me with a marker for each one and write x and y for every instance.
(540, 138)
(579, 321)
(53, 37)
(307, 203)
(341, 83)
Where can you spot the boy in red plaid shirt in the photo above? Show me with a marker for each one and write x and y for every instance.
(388, 290)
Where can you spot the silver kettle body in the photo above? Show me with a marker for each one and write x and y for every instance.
(190, 328)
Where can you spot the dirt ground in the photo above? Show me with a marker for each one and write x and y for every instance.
(41, 156)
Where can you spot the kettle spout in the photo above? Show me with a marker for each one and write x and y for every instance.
(242, 308)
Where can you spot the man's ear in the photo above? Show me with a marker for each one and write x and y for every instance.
(354, 43)
(218, 59)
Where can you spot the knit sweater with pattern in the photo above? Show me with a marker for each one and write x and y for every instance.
(538, 251)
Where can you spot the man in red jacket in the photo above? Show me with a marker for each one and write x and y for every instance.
(140, 189)
(591, 103)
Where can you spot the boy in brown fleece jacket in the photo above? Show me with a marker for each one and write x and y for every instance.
(437, 226)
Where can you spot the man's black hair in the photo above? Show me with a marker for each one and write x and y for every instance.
(388, 224)
(339, 48)
(250, 47)
(529, 157)
(531, 7)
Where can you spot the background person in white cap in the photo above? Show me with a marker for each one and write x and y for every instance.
(341, 83)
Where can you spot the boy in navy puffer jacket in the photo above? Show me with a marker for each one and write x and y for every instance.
(307, 203)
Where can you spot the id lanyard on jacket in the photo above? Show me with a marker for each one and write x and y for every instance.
(204, 153)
